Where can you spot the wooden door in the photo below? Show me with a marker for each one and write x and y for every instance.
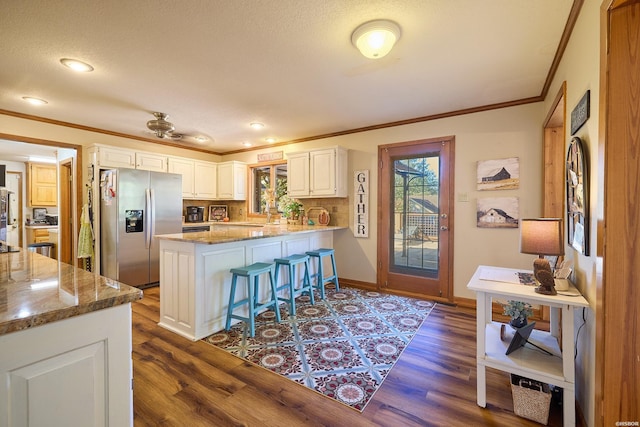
(415, 217)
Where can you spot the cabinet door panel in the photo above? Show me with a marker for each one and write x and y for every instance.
(298, 174)
(205, 180)
(322, 173)
(185, 168)
(35, 389)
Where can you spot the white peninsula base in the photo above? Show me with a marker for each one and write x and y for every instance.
(74, 372)
(195, 281)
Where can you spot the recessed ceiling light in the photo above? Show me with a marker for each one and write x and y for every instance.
(34, 101)
(247, 144)
(270, 140)
(256, 125)
(75, 65)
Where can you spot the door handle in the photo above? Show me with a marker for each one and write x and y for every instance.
(443, 228)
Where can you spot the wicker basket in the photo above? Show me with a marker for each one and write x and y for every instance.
(531, 399)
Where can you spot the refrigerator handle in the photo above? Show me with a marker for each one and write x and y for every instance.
(148, 217)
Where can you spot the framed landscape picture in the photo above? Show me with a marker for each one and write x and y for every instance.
(498, 174)
(498, 212)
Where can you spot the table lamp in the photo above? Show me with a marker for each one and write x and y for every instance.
(542, 236)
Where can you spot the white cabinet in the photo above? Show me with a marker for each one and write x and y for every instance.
(298, 174)
(72, 372)
(205, 180)
(232, 181)
(115, 157)
(318, 173)
(151, 162)
(198, 177)
(184, 167)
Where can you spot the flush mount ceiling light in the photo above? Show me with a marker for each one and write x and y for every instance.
(270, 140)
(75, 65)
(256, 125)
(34, 101)
(375, 39)
(247, 144)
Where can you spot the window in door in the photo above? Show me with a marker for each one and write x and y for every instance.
(263, 177)
(415, 241)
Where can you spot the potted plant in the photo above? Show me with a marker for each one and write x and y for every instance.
(290, 207)
(518, 311)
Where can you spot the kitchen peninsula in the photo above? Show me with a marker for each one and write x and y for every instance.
(194, 268)
(65, 336)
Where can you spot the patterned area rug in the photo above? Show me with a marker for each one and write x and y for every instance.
(343, 346)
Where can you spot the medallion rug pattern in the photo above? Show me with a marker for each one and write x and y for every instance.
(343, 346)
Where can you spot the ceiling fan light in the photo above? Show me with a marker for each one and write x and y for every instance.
(375, 39)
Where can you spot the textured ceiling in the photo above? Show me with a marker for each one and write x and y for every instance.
(216, 65)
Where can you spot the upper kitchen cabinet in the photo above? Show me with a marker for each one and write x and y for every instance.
(317, 173)
(199, 178)
(116, 157)
(232, 180)
(151, 162)
(42, 185)
(205, 180)
(113, 157)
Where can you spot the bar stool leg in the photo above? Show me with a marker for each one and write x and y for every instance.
(335, 271)
(232, 297)
(274, 297)
(306, 282)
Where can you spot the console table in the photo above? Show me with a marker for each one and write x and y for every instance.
(559, 369)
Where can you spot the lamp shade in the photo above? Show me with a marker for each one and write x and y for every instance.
(375, 39)
(541, 236)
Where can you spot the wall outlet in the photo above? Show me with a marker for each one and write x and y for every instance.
(463, 197)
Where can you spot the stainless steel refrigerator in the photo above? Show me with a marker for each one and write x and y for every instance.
(136, 205)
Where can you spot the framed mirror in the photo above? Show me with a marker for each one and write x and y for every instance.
(577, 197)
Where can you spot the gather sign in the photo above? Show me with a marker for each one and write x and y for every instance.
(361, 203)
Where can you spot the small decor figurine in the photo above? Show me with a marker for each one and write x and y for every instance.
(518, 311)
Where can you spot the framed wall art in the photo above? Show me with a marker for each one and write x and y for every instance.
(498, 212)
(577, 197)
(498, 174)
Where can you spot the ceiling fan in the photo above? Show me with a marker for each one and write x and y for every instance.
(163, 128)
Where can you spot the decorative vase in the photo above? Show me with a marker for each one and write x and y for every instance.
(518, 322)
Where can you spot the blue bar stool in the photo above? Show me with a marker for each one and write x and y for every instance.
(320, 254)
(252, 274)
(290, 263)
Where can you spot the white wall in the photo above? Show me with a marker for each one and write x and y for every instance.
(580, 68)
(508, 132)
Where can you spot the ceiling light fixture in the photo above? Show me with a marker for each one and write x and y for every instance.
(201, 138)
(375, 39)
(256, 125)
(34, 101)
(75, 65)
(270, 140)
(247, 144)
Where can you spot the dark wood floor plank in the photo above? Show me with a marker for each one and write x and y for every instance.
(178, 382)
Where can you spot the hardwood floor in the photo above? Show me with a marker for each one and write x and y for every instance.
(178, 382)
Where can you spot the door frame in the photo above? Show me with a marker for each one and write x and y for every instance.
(78, 194)
(383, 256)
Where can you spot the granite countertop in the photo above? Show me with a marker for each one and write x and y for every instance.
(235, 233)
(35, 290)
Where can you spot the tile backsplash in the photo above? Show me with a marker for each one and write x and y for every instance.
(338, 208)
